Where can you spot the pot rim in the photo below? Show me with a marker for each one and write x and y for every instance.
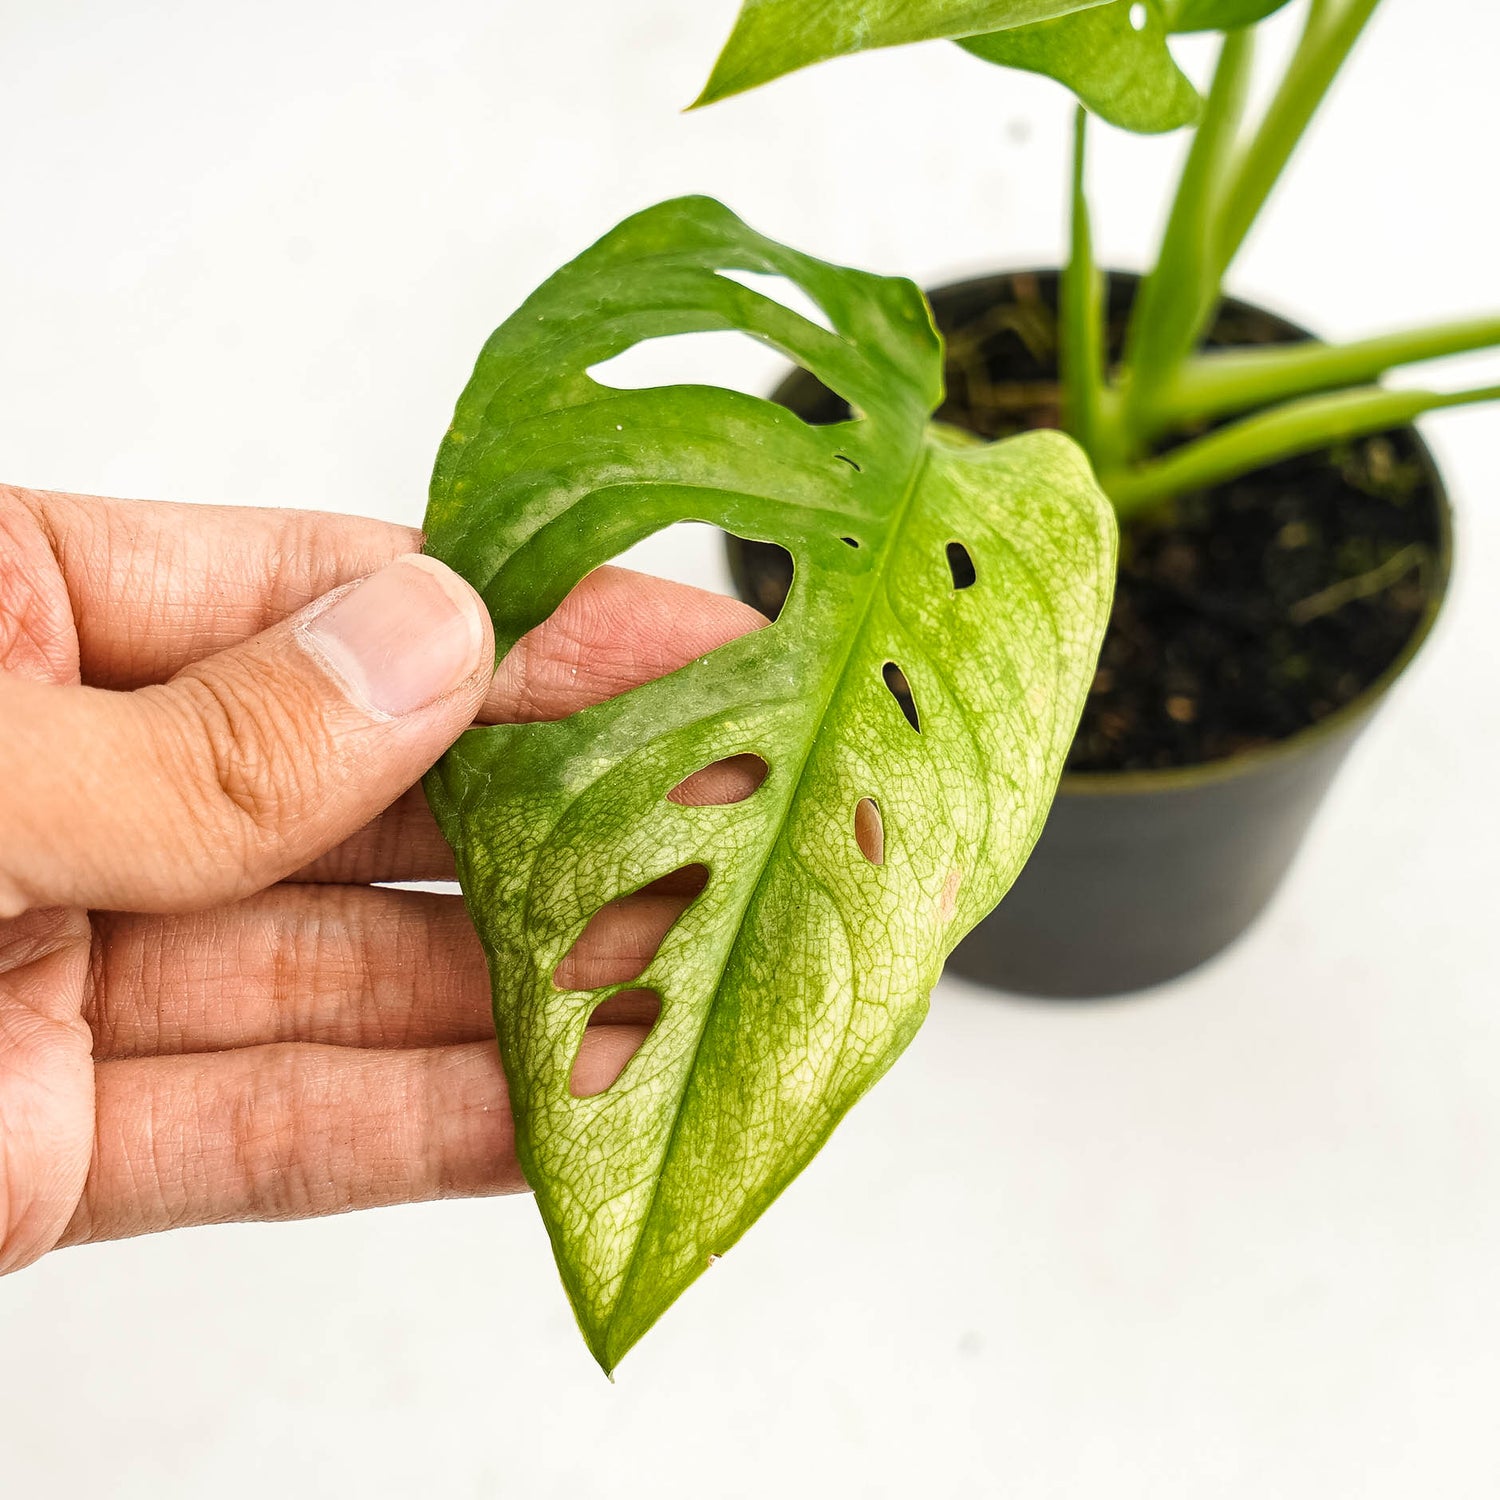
(1343, 720)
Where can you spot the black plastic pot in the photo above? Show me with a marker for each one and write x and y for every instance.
(1142, 876)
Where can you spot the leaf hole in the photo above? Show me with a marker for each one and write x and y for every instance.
(783, 290)
(625, 935)
(728, 359)
(849, 541)
(723, 784)
(844, 458)
(690, 881)
(1139, 17)
(895, 680)
(961, 566)
(869, 830)
(617, 1030)
(762, 573)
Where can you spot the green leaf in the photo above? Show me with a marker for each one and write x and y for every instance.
(774, 37)
(1123, 74)
(1220, 15)
(803, 969)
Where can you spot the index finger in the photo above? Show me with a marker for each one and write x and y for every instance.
(155, 586)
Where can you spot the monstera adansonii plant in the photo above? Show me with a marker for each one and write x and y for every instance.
(1156, 424)
(885, 827)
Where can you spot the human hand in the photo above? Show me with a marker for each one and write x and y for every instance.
(211, 721)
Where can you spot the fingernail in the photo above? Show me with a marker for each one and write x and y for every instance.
(403, 637)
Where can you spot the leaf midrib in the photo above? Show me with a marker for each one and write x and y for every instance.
(876, 583)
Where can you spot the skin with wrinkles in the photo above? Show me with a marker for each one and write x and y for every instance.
(837, 887)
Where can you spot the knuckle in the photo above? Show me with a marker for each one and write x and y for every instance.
(275, 1145)
(45, 1079)
(128, 974)
(37, 635)
(14, 901)
(259, 745)
(317, 959)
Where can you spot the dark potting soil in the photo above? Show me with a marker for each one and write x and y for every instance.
(1244, 614)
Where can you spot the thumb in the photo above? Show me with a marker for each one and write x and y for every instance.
(246, 765)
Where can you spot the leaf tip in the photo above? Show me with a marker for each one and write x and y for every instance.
(607, 1351)
(596, 1337)
(719, 86)
(744, 64)
(610, 1333)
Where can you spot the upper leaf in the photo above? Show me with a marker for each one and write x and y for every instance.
(774, 37)
(803, 968)
(1220, 15)
(1124, 73)
(1121, 70)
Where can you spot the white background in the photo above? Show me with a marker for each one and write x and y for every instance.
(1237, 1238)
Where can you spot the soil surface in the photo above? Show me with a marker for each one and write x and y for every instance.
(1244, 614)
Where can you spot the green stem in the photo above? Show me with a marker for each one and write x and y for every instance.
(1284, 432)
(1333, 27)
(1178, 296)
(1237, 380)
(1081, 313)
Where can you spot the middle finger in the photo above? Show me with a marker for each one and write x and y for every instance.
(343, 965)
